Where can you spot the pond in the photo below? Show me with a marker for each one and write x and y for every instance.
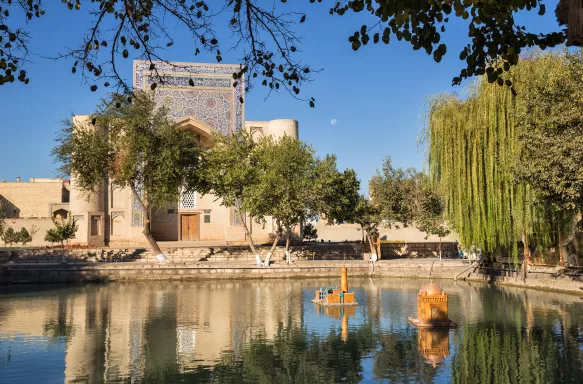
(268, 331)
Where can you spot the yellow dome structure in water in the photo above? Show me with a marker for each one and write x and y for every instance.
(432, 308)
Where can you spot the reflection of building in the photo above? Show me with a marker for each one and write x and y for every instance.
(433, 344)
(110, 215)
(126, 330)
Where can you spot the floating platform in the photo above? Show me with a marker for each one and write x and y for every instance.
(432, 324)
(334, 297)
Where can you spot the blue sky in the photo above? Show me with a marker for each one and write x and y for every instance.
(376, 94)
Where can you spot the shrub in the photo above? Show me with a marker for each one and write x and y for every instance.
(10, 236)
(63, 231)
(24, 236)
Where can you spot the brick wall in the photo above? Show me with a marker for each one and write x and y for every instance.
(31, 199)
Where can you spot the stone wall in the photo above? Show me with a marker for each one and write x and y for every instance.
(181, 255)
(40, 225)
(567, 280)
(400, 249)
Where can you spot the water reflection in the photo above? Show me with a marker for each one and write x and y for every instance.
(269, 331)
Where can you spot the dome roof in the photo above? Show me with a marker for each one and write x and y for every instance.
(431, 289)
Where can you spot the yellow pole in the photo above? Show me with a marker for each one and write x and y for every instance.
(344, 279)
(345, 328)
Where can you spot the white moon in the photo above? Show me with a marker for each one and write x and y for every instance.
(333, 121)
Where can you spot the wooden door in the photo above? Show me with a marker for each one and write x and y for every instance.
(190, 227)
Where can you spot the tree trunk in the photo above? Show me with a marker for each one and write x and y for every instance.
(440, 249)
(287, 242)
(526, 262)
(563, 242)
(371, 245)
(146, 225)
(276, 240)
(247, 233)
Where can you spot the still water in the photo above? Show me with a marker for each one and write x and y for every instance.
(269, 332)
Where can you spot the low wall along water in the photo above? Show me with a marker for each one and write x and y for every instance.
(315, 251)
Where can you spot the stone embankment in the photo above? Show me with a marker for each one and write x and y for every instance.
(566, 280)
(229, 254)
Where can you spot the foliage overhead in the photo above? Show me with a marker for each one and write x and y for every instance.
(368, 216)
(266, 35)
(496, 40)
(120, 29)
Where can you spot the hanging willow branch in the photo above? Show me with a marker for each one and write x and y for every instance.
(472, 147)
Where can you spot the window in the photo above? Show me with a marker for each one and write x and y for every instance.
(207, 218)
(188, 200)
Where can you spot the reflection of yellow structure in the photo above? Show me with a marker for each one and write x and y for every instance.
(337, 313)
(433, 344)
(432, 308)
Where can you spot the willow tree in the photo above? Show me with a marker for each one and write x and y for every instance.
(472, 144)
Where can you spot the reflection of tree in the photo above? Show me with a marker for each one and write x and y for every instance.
(399, 360)
(59, 328)
(503, 354)
(296, 356)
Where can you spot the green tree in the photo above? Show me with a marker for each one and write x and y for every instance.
(393, 192)
(226, 170)
(266, 36)
(550, 117)
(289, 185)
(340, 193)
(310, 232)
(368, 216)
(24, 236)
(64, 230)
(10, 236)
(135, 145)
(429, 215)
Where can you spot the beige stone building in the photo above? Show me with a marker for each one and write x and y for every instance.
(111, 216)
